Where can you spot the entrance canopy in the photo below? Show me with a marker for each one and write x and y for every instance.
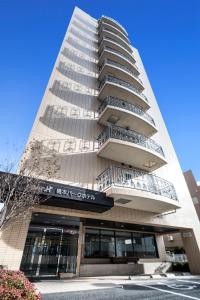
(61, 195)
(129, 226)
(75, 197)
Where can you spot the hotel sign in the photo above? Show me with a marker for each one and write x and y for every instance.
(71, 193)
(67, 196)
(74, 197)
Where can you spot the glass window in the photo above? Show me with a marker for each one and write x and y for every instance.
(150, 246)
(110, 243)
(138, 245)
(144, 245)
(124, 245)
(92, 243)
(107, 243)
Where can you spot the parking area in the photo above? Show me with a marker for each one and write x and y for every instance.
(105, 288)
(165, 289)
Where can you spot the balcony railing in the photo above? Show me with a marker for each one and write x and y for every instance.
(101, 44)
(111, 19)
(120, 133)
(118, 65)
(136, 179)
(111, 28)
(116, 102)
(105, 32)
(122, 83)
(118, 53)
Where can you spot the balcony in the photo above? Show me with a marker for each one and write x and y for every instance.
(120, 71)
(136, 189)
(109, 34)
(106, 26)
(131, 148)
(113, 23)
(110, 42)
(121, 113)
(114, 87)
(110, 53)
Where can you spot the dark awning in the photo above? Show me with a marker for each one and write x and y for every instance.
(61, 195)
(67, 196)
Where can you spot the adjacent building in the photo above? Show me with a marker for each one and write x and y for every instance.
(194, 189)
(119, 188)
(174, 242)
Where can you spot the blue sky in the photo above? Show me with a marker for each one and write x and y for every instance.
(166, 32)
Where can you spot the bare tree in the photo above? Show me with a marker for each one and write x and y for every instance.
(21, 192)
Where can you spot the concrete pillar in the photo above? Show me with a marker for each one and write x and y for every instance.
(191, 242)
(80, 246)
(12, 241)
(161, 247)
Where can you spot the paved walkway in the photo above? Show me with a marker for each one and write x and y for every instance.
(106, 288)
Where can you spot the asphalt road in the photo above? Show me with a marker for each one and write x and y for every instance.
(163, 289)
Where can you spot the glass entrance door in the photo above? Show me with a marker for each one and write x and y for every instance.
(49, 259)
(49, 251)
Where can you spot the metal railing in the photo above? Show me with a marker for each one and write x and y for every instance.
(116, 102)
(104, 34)
(109, 78)
(101, 44)
(118, 53)
(127, 135)
(177, 258)
(111, 19)
(135, 179)
(118, 65)
(111, 28)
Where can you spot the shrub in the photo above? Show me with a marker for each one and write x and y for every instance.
(15, 286)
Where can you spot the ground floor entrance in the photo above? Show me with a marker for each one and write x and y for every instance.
(50, 250)
(58, 244)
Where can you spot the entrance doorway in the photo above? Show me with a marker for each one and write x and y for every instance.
(49, 251)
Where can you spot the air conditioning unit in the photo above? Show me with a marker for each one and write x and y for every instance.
(170, 238)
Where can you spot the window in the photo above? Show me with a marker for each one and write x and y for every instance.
(102, 243)
(124, 245)
(150, 246)
(107, 243)
(92, 243)
(138, 245)
(144, 245)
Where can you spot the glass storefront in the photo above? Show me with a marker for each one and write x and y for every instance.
(101, 243)
(50, 250)
(52, 244)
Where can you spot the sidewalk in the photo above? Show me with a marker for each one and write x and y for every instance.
(92, 283)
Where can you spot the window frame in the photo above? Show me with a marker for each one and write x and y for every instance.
(142, 235)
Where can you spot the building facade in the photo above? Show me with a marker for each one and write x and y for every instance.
(194, 189)
(119, 188)
(174, 242)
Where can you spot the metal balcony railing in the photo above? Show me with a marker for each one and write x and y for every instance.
(127, 135)
(111, 19)
(111, 28)
(105, 32)
(118, 53)
(116, 102)
(135, 179)
(123, 67)
(101, 44)
(109, 78)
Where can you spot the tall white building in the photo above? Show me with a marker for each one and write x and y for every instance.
(120, 187)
